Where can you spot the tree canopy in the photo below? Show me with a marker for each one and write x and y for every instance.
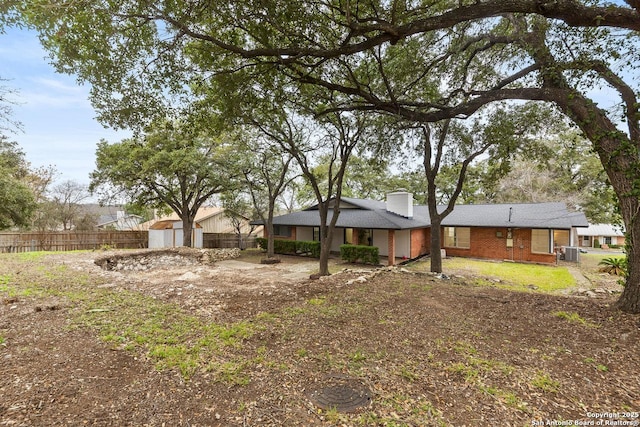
(17, 201)
(171, 165)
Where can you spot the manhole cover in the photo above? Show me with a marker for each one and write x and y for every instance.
(340, 393)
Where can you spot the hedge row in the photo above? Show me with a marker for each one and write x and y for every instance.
(360, 253)
(292, 247)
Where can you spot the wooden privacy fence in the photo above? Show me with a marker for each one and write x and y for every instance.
(77, 240)
(72, 240)
(228, 240)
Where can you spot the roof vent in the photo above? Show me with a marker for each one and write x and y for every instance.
(400, 203)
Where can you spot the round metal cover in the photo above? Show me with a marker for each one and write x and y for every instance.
(340, 393)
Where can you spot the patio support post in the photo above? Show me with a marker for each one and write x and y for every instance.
(392, 247)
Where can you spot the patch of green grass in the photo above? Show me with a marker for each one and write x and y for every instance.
(317, 301)
(175, 356)
(408, 372)
(231, 372)
(469, 373)
(515, 276)
(406, 410)
(462, 347)
(31, 256)
(599, 367)
(544, 382)
(3, 340)
(506, 397)
(574, 317)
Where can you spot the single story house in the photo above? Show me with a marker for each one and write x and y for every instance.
(601, 234)
(528, 232)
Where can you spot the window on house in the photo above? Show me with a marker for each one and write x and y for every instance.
(606, 240)
(561, 238)
(282, 230)
(348, 236)
(457, 237)
(365, 236)
(316, 234)
(541, 241)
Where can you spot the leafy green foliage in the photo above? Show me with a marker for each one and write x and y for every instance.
(172, 165)
(17, 201)
(360, 253)
(292, 247)
(616, 266)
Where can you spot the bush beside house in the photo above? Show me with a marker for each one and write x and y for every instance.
(292, 247)
(360, 253)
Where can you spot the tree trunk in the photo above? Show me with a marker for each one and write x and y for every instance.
(436, 238)
(187, 224)
(326, 238)
(269, 224)
(325, 251)
(629, 300)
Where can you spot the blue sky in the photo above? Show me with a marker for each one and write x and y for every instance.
(58, 121)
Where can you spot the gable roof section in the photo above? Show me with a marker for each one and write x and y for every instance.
(602, 230)
(363, 213)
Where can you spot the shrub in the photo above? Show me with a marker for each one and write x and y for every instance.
(310, 247)
(291, 247)
(284, 247)
(360, 253)
(262, 243)
(615, 266)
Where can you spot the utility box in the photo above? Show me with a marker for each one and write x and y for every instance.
(571, 253)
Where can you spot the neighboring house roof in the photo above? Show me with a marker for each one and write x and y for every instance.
(168, 224)
(108, 219)
(203, 213)
(211, 218)
(363, 213)
(602, 230)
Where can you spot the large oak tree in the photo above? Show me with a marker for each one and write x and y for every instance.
(381, 56)
(171, 165)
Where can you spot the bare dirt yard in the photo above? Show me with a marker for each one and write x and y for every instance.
(181, 342)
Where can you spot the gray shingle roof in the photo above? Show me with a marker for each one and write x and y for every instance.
(373, 214)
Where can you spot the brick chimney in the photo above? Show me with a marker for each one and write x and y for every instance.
(400, 203)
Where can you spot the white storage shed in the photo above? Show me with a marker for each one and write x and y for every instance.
(169, 234)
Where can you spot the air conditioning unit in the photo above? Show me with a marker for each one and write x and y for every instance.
(571, 253)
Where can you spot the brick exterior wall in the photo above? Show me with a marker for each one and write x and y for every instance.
(486, 244)
(420, 241)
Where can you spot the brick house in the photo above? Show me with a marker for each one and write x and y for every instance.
(603, 235)
(527, 232)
